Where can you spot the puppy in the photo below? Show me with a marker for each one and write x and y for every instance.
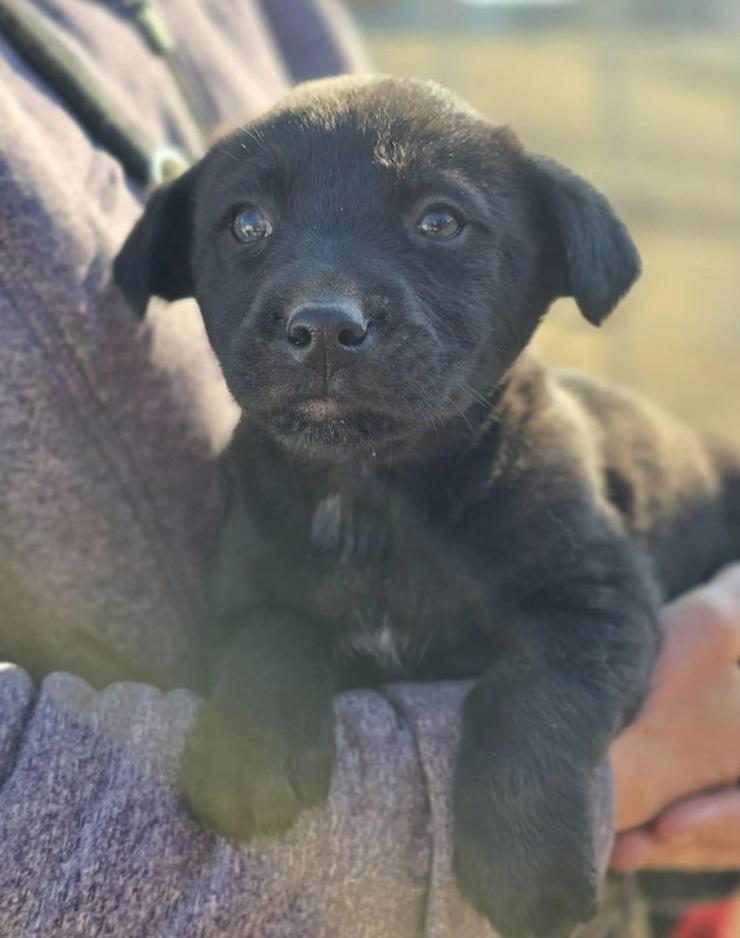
(411, 496)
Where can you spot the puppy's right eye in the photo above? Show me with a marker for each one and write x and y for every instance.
(440, 224)
(251, 224)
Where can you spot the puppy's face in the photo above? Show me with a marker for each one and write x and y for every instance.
(370, 257)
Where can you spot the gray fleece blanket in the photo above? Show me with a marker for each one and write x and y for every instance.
(107, 489)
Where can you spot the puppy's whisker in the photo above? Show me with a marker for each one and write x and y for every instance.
(254, 134)
(228, 153)
(475, 394)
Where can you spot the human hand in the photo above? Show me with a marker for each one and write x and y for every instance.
(686, 741)
(701, 832)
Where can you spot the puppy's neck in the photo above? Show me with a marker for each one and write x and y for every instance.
(419, 465)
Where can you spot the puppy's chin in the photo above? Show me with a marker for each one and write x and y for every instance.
(325, 428)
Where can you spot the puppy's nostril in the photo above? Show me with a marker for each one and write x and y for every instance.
(299, 336)
(353, 334)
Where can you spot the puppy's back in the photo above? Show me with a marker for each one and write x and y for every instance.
(677, 490)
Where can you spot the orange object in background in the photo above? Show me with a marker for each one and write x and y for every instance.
(712, 920)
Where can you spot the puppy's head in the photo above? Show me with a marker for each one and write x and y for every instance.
(370, 256)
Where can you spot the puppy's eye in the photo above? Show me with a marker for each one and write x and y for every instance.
(251, 224)
(440, 224)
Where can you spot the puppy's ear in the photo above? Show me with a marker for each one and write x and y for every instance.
(155, 258)
(589, 254)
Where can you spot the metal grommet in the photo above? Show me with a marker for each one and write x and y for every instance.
(166, 164)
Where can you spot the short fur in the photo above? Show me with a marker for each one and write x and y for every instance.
(456, 510)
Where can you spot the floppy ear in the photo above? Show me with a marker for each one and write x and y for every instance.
(155, 258)
(588, 251)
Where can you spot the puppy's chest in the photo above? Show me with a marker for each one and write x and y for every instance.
(392, 587)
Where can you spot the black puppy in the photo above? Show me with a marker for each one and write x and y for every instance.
(411, 497)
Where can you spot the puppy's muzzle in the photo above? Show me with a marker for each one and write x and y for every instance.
(329, 335)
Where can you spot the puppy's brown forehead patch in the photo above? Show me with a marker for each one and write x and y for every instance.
(392, 153)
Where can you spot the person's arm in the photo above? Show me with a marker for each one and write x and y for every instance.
(676, 768)
(94, 839)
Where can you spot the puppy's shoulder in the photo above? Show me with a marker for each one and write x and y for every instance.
(629, 426)
(546, 434)
(655, 468)
(569, 432)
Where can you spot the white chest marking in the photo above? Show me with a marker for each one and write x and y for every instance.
(378, 643)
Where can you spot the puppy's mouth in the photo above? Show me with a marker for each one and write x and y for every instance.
(331, 425)
(323, 409)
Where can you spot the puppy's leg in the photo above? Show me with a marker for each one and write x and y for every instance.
(535, 727)
(262, 748)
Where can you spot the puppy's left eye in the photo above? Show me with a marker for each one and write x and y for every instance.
(251, 224)
(440, 224)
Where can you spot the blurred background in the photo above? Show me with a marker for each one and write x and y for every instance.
(642, 97)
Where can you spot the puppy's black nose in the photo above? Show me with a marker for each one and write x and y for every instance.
(329, 335)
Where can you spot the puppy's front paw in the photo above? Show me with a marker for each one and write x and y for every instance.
(242, 777)
(525, 859)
